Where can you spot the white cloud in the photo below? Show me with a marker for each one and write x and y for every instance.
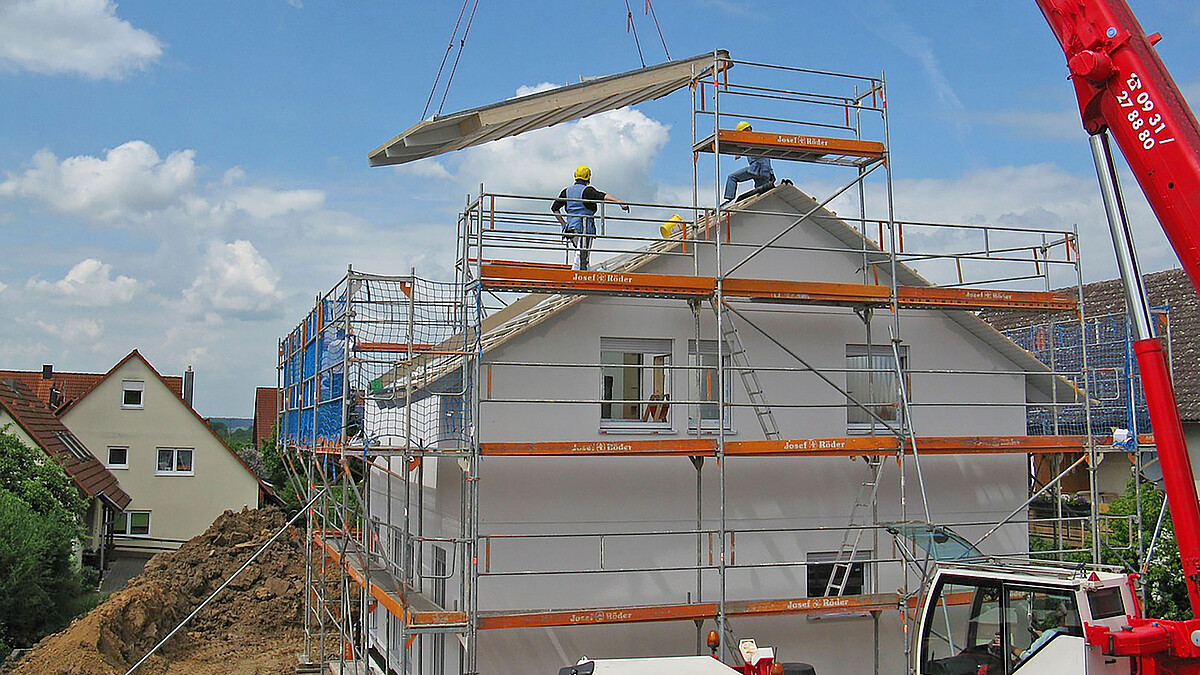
(618, 145)
(131, 182)
(89, 283)
(1034, 196)
(1063, 125)
(73, 330)
(236, 281)
(425, 168)
(72, 36)
(262, 202)
(3, 286)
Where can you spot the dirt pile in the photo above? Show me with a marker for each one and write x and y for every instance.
(252, 627)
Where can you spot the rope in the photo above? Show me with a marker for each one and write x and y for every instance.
(449, 46)
(631, 28)
(653, 15)
(461, 43)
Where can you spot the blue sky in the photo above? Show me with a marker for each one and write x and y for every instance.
(184, 178)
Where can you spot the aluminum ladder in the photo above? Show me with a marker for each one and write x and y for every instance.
(739, 362)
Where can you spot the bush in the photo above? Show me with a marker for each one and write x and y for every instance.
(39, 581)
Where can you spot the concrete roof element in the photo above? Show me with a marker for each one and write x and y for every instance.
(1170, 288)
(48, 431)
(542, 109)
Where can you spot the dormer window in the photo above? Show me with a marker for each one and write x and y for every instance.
(131, 393)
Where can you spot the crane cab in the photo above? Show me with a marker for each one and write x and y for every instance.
(1013, 620)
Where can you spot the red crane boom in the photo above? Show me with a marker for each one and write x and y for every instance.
(1124, 88)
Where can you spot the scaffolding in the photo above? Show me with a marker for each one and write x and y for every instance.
(392, 384)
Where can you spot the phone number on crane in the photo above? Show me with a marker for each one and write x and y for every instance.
(1147, 124)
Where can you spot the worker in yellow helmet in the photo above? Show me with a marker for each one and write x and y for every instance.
(579, 227)
(758, 171)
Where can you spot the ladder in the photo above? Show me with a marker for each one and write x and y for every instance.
(843, 563)
(739, 362)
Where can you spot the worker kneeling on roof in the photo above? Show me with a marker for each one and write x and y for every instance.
(759, 171)
(579, 227)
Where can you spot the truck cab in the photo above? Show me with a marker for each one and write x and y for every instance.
(1002, 619)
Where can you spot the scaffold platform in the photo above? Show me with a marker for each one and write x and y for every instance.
(794, 147)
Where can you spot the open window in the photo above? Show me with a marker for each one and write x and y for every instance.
(635, 383)
(987, 626)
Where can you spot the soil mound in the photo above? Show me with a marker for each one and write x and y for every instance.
(253, 627)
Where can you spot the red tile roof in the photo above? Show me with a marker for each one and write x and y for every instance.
(266, 411)
(36, 420)
(70, 386)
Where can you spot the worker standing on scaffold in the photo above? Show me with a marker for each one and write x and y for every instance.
(759, 171)
(579, 227)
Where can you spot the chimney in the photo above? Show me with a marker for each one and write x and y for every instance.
(48, 371)
(189, 381)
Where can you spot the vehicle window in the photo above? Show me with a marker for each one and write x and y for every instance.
(1106, 603)
(1037, 616)
(964, 631)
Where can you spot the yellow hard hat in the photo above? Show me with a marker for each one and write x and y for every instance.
(583, 173)
(743, 126)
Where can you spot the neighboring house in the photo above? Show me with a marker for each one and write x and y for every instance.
(1110, 357)
(24, 414)
(640, 345)
(266, 412)
(179, 473)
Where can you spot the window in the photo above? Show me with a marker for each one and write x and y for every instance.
(131, 393)
(118, 457)
(820, 568)
(635, 382)
(132, 523)
(174, 462)
(72, 444)
(702, 386)
(871, 380)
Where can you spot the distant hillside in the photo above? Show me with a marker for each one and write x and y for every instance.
(233, 423)
(236, 431)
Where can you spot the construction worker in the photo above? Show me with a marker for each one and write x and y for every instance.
(759, 171)
(579, 227)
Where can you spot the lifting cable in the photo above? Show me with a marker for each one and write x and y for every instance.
(461, 43)
(653, 15)
(631, 28)
(449, 46)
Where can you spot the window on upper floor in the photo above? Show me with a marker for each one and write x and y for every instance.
(871, 380)
(702, 386)
(132, 523)
(635, 383)
(132, 393)
(174, 462)
(118, 457)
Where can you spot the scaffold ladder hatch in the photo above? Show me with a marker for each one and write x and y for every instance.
(739, 361)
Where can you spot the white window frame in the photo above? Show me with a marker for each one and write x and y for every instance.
(884, 354)
(108, 460)
(646, 347)
(174, 471)
(126, 515)
(133, 385)
(696, 376)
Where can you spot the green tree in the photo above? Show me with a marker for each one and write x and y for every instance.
(41, 511)
(1166, 594)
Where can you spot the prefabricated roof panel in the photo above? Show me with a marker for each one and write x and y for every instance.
(542, 109)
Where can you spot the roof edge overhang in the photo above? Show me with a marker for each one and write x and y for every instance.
(542, 109)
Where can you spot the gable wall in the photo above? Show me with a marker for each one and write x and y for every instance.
(181, 506)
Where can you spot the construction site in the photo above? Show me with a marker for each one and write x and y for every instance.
(766, 417)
